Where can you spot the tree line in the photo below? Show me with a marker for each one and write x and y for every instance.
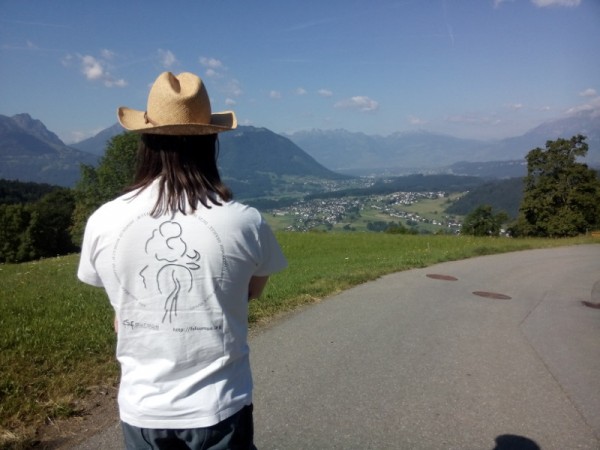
(49, 221)
(561, 197)
(37, 229)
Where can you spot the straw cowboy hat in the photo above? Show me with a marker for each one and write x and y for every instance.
(177, 105)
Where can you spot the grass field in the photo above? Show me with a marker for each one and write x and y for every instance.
(433, 209)
(56, 336)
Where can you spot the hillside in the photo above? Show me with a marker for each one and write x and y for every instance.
(491, 169)
(243, 152)
(586, 123)
(30, 152)
(502, 195)
(425, 152)
(397, 154)
(96, 145)
(255, 162)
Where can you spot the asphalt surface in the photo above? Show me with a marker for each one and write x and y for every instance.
(412, 361)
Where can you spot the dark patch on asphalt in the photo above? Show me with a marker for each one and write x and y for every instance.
(493, 295)
(591, 305)
(437, 276)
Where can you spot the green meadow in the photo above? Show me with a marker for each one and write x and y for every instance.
(56, 335)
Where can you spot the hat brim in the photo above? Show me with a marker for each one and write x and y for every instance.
(134, 120)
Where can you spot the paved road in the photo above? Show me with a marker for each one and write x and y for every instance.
(412, 361)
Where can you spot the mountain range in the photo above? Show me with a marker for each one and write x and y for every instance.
(29, 152)
(421, 152)
(257, 161)
(254, 161)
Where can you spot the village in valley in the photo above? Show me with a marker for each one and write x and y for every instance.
(419, 212)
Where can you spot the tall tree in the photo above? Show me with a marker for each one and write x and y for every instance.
(483, 222)
(561, 196)
(98, 185)
(48, 228)
(37, 230)
(15, 245)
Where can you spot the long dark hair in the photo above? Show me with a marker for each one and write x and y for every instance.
(186, 167)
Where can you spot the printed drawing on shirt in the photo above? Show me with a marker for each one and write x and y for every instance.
(161, 264)
(175, 265)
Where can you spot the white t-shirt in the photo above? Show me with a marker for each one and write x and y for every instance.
(179, 287)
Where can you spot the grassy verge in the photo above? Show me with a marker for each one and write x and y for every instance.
(56, 337)
(56, 345)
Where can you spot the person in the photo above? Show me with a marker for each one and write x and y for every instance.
(180, 260)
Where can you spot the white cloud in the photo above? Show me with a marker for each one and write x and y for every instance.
(592, 105)
(107, 54)
(216, 70)
(325, 92)
(221, 79)
(497, 3)
(91, 68)
(214, 67)
(211, 63)
(300, 91)
(578, 109)
(67, 60)
(95, 69)
(276, 95)
(360, 102)
(416, 121)
(166, 57)
(588, 93)
(233, 88)
(515, 106)
(115, 83)
(545, 3)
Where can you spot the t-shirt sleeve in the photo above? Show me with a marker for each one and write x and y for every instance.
(273, 259)
(86, 271)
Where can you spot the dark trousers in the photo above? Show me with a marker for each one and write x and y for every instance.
(233, 433)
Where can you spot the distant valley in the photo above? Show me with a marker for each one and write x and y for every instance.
(259, 164)
(298, 192)
(424, 152)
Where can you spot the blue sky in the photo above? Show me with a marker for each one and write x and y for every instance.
(484, 69)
